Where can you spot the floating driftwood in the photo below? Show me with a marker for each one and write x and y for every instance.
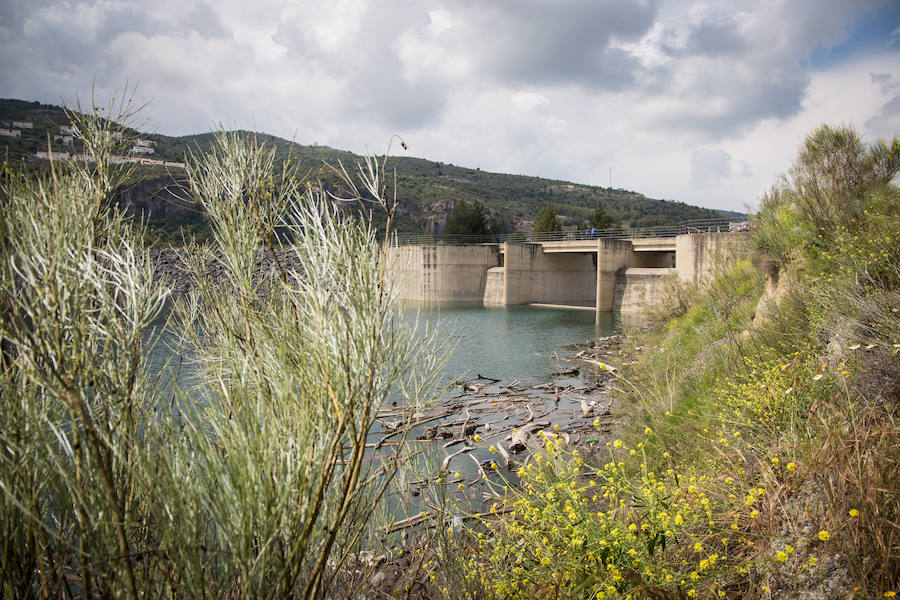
(570, 371)
(485, 378)
(601, 364)
(446, 464)
(587, 408)
(506, 458)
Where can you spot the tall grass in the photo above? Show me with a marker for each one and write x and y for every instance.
(256, 482)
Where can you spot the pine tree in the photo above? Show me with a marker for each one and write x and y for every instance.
(546, 220)
(600, 218)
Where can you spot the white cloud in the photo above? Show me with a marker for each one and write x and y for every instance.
(703, 102)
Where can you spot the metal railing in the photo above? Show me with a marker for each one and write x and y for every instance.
(662, 231)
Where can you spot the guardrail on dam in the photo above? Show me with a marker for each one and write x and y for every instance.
(663, 231)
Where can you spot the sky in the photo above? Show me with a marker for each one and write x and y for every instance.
(700, 102)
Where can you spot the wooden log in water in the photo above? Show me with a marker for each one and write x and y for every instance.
(449, 457)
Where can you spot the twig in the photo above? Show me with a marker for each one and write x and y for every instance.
(446, 464)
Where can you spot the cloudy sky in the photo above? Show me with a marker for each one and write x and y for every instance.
(703, 102)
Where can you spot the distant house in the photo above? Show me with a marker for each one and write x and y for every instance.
(23, 124)
(141, 150)
(65, 140)
(67, 130)
(52, 155)
(13, 133)
(143, 143)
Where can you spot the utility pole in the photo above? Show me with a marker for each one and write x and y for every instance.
(610, 178)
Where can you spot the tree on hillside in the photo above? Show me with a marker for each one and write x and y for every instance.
(599, 218)
(472, 219)
(546, 220)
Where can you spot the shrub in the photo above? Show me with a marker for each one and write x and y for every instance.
(825, 190)
(255, 482)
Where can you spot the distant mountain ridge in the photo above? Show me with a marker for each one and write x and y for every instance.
(427, 190)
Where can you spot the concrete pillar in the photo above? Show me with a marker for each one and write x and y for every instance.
(612, 255)
(697, 254)
(519, 265)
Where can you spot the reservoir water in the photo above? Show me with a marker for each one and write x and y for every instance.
(503, 342)
(509, 342)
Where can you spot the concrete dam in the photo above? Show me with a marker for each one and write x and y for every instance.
(622, 275)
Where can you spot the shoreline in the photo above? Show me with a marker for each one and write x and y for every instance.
(490, 413)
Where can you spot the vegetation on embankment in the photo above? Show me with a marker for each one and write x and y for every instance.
(762, 456)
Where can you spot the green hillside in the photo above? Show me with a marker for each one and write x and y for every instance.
(427, 190)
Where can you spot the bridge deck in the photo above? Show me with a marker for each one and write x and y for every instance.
(581, 246)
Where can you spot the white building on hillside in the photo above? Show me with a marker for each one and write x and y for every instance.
(52, 155)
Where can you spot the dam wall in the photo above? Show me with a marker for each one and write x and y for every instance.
(442, 273)
(613, 258)
(621, 275)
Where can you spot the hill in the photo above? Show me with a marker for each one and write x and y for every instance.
(427, 190)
